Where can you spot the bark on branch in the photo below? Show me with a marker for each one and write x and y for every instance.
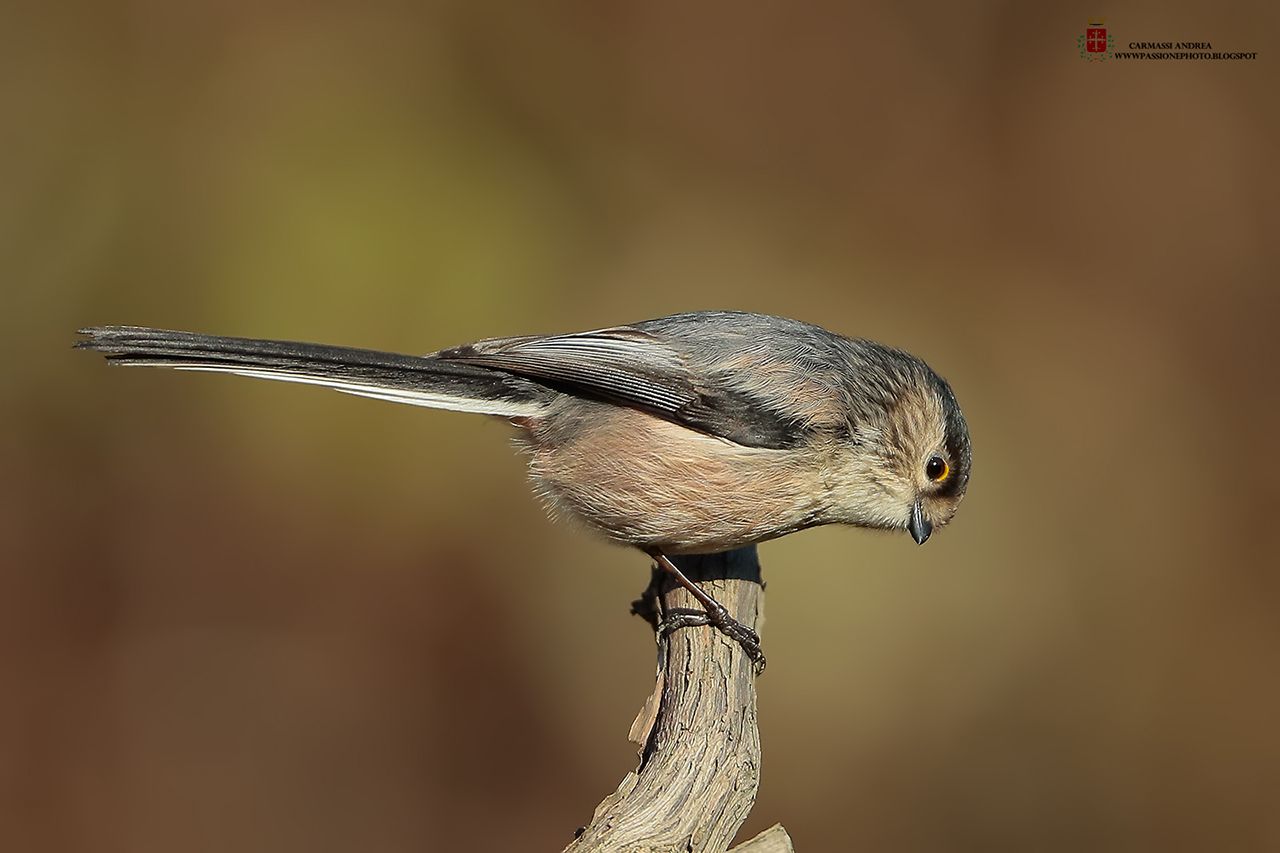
(700, 745)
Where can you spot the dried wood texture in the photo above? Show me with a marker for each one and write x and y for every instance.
(772, 840)
(700, 757)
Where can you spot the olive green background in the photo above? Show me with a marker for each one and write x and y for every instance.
(245, 616)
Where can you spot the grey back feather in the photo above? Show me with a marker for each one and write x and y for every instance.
(753, 379)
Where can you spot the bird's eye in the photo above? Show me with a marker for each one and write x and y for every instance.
(936, 469)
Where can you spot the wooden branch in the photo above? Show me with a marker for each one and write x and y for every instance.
(700, 757)
(772, 840)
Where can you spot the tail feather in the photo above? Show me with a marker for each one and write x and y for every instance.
(415, 380)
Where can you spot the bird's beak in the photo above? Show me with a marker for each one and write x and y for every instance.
(919, 526)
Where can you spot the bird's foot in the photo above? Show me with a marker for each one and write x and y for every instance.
(717, 617)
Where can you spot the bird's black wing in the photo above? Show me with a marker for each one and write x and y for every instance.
(633, 367)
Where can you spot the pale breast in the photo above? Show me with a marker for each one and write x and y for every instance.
(649, 482)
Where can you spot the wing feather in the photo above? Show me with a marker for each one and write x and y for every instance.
(633, 367)
(619, 364)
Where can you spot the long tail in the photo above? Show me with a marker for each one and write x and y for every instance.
(416, 380)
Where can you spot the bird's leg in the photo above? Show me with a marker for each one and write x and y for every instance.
(714, 613)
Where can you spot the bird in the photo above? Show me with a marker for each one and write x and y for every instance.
(694, 433)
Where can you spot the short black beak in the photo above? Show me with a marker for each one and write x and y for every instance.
(919, 525)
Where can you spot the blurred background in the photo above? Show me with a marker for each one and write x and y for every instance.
(257, 617)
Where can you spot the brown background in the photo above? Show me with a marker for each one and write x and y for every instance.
(232, 614)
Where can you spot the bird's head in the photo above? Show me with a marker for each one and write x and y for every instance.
(908, 460)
